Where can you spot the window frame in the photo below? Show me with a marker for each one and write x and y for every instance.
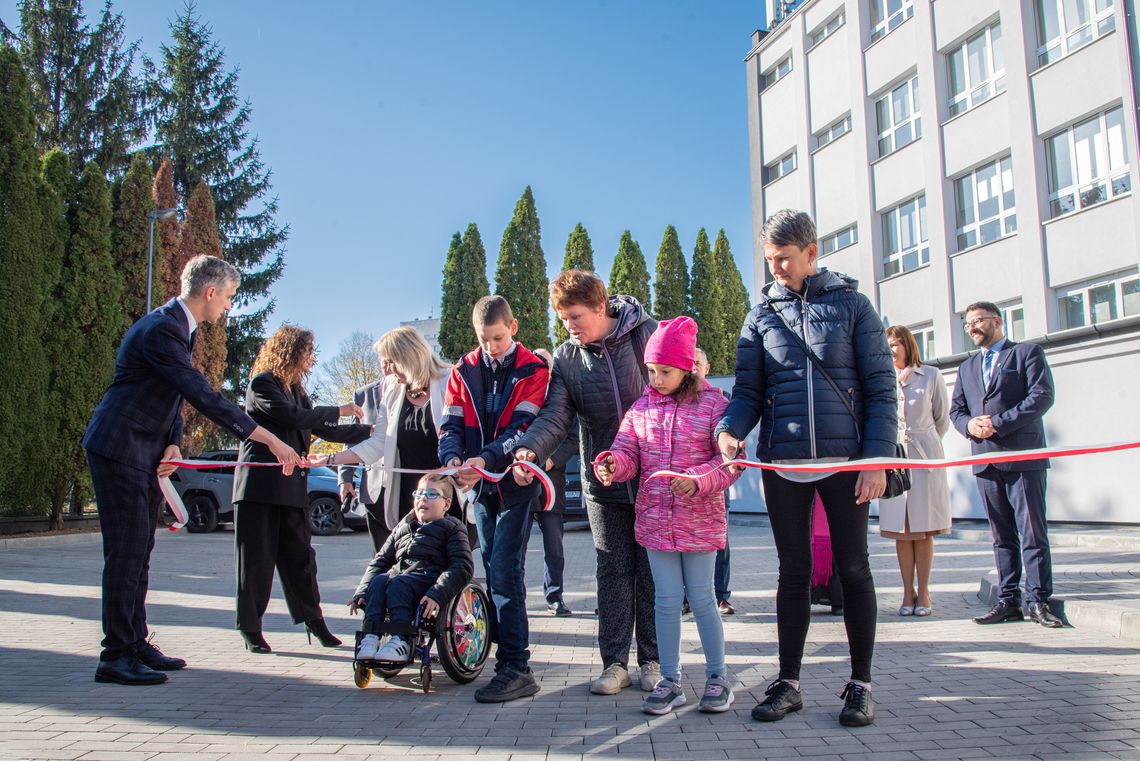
(913, 119)
(825, 30)
(1116, 284)
(992, 85)
(852, 232)
(828, 134)
(1099, 23)
(776, 72)
(920, 249)
(1008, 321)
(782, 168)
(1112, 182)
(888, 23)
(970, 234)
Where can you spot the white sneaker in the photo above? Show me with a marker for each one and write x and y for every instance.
(650, 676)
(368, 645)
(395, 650)
(612, 681)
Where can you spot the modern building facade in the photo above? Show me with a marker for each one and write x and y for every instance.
(952, 151)
(428, 328)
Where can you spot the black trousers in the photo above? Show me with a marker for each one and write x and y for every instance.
(378, 530)
(129, 503)
(790, 510)
(1015, 505)
(268, 537)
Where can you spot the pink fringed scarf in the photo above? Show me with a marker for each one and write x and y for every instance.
(820, 546)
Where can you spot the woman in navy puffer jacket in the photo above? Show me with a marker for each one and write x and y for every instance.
(803, 420)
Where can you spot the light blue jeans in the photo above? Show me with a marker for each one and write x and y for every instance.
(675, 576)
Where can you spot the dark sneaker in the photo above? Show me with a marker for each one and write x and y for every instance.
(1039, 613)
(508, 684)
(1003, 610)
(666, 696)
(782, 699)
(718, 696)
(858, 707)
(154, 658)
(558, 609)
(685, 609)
(725, 608)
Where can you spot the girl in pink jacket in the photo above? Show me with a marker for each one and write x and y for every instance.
(680, 522)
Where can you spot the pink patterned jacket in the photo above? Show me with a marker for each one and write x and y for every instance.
(657, 433)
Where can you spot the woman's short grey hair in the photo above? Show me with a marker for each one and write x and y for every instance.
(788, 227)
(204, 272)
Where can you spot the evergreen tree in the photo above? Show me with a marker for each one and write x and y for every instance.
(169, 260)
(202, 125)
(629, 274)
(130, 231)
(472, 283)
(706, 300)
(86, 96)
(521, 274)
(672, 278)
(734, 305)
(200, 237)
(580, 256)
(453, 323)
(27, 239)
(88, 326)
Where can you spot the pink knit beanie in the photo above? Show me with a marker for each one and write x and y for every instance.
(674, 343)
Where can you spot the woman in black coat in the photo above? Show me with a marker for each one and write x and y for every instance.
(272, 521)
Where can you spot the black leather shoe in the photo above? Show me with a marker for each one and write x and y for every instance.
(507, 684)
(559, 609)
(155, 659)
(319, 629)
(782, 699)
(1001, 611)
(858, 707)
(129, 670)
(1039, 612)
(255, 643)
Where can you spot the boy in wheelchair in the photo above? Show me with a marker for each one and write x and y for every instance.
(426, 560)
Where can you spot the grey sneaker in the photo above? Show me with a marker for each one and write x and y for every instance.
(718, 696)
(650, 676)
(613, 680)
(666, 696)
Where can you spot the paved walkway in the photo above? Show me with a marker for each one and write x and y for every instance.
(945, 687)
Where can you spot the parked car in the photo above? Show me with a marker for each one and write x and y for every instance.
(208, 496)
(575, 508)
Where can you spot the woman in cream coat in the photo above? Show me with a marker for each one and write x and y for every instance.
(914, 519)
(406, 431)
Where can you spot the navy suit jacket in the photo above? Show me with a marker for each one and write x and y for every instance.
(1019, 394)
(141, 413)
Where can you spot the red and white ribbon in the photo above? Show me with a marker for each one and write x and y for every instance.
(902, 463)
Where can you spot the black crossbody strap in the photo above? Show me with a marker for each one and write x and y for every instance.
(819, 366)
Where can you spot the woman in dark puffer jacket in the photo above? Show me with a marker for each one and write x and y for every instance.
(803, 420)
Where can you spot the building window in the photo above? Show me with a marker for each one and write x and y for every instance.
(898, 118)
(984, 204)
(1067, 25)
(848, 236)
(779, 168)
(904, 235)
(977, 70)
(1013, 318)
(924, 337)
(1101, 302)
(841, 127)
(827, 29)
(886, 15)
(782, 69)
(1088, 163)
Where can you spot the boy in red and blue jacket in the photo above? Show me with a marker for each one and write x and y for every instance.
(493, 394)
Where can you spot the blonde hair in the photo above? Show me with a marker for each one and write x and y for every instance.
(408, 350)
(448, 486)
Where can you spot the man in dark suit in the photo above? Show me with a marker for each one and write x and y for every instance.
(368, 398)
(1000, 398)
(136, 428)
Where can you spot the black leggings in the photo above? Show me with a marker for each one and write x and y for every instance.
(790, 510)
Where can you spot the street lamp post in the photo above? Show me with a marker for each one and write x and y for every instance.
(153, 215)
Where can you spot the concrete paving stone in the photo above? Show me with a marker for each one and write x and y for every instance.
(114, 755)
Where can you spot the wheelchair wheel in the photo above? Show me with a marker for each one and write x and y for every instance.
(361, 674)
(425, 678)
(463, 634)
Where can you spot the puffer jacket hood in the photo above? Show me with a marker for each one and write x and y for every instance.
(595, 383)
(799, 413)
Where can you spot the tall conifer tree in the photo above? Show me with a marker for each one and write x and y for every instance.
(130, 228)
(202, 124)
(521, 274)
(473, 277)
(579, 256)
(707, 297)
(453, 330)
(734, 304)
(672, 278)
(629, 275)
(26, 241)
(168, 239)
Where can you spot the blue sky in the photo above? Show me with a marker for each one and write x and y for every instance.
(389, 126)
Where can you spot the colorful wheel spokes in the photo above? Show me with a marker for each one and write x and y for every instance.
(469, 628)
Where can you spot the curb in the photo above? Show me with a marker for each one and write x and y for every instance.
(29, 542)
(1122, 623)
(1061, 536)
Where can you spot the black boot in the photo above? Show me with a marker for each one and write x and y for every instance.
(319, 629)
(255, 643)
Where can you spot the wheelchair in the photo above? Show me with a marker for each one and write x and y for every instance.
(460, 634)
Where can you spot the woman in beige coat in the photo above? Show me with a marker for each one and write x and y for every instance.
(913, 519)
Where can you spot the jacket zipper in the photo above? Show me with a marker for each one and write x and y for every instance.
(617, 401)
(811, 392)
(479, 489)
